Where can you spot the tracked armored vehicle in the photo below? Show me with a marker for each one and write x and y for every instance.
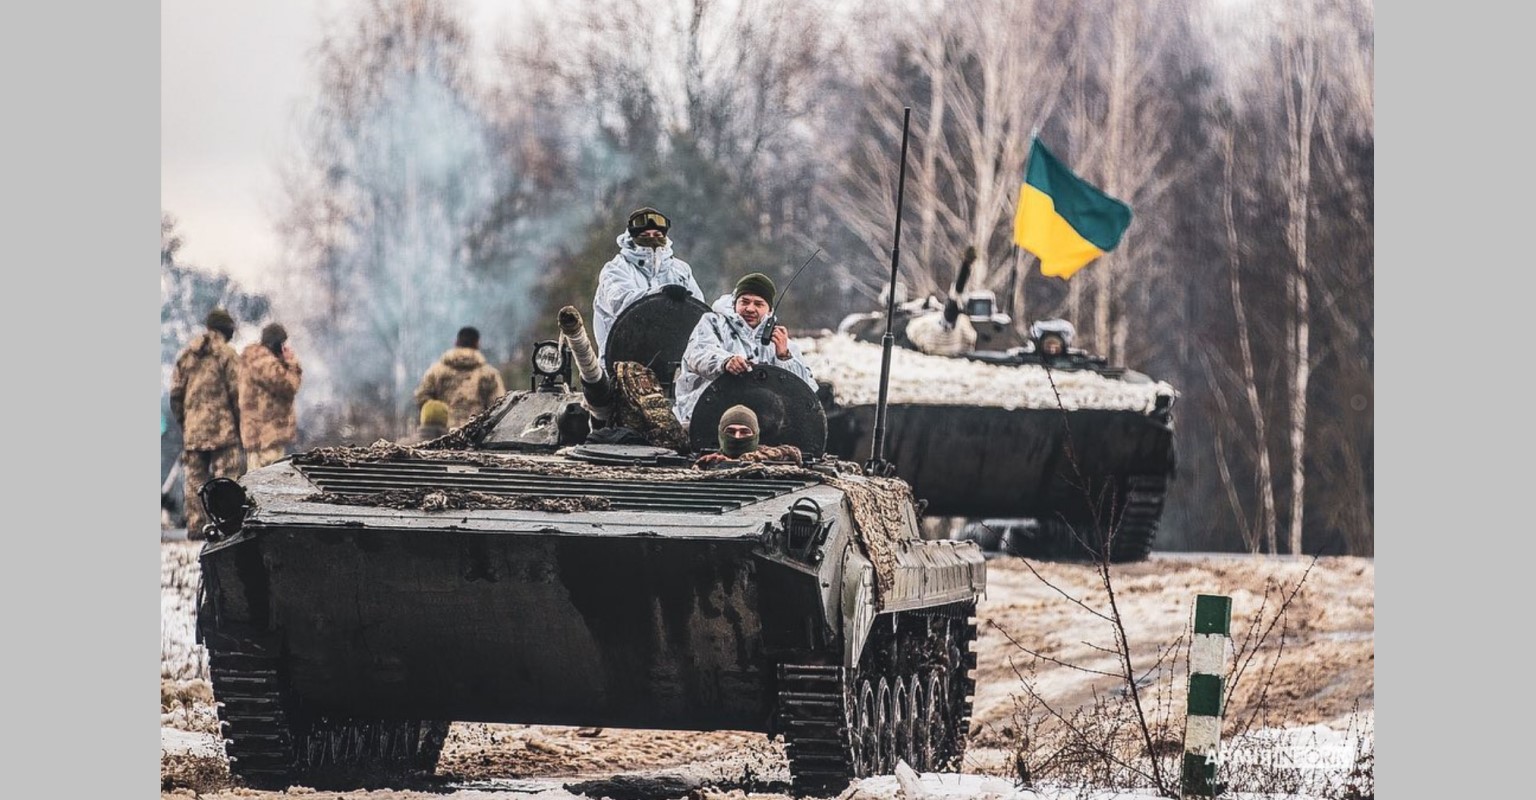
(1068, 455)
(355, 601)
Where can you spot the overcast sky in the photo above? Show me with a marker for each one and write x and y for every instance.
(233, 76)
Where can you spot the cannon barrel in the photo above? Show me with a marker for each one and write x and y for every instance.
(596, 389)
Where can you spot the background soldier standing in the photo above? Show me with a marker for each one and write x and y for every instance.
(205, 400)
(270, 375)
(462, 379)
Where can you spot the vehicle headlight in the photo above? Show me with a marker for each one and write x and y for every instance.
(546, 358)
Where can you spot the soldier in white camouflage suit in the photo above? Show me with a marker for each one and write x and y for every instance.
(205, 400)
(645, 264)
(270, 375)
(947, 332)
(728, 338)
(463, 379)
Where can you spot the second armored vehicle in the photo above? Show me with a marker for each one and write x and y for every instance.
(1070, 453)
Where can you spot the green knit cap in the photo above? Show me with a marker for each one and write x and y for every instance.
(756, 284)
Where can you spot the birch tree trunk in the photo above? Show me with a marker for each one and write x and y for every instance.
(1302, 82)
(1122, 154)
(1265, 524)
(934, 64)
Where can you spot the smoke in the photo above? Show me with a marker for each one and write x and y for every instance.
(421, 180)
(405, 226)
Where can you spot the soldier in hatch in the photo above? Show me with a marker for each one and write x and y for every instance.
(729, 339)
(739, 442)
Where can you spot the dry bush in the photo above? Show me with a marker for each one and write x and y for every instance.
(1095, 746)
(1130, 735)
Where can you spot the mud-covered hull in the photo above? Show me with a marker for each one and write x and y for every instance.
(986, 461)
(355, 601)
(611, 631)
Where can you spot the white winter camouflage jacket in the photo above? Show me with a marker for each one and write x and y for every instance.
(720, 334)
(632, 274)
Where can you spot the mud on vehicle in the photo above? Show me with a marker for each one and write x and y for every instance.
(355, 601)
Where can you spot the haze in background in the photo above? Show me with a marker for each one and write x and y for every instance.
(233, 77)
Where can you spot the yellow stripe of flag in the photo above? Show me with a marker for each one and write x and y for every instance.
(1040, 230)
(1063, 219)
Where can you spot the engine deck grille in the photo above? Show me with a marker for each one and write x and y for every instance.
(703, 496)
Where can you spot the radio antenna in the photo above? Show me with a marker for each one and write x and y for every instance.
(877, 464)
(773, 319)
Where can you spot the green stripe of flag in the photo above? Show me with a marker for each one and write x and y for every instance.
(1096, 216)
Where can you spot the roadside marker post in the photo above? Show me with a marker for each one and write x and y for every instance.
(1202, 723)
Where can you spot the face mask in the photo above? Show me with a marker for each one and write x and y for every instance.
(735, 448)
(650, 238)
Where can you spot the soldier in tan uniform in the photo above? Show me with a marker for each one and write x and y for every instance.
(270, 375)
(205, 401)
(462, 379)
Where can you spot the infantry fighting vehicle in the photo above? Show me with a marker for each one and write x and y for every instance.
(1063, 459)
(355, 601)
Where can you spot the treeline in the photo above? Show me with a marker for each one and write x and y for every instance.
(437, 189)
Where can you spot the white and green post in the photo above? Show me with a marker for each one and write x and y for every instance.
(1202, 724)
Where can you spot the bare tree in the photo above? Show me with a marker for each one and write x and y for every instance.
(1125, 146)
(988, 76)
(1266, 522)
(1301, 73)
(1311, 49)
(1300, 77)
(388, 206)
(709, 109)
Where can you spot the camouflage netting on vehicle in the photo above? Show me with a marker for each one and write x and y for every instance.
(464, 436)
(852, 368)
(880, 505)
(462, 500)
(643, 406)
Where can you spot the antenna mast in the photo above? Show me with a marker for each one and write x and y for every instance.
(877, 464)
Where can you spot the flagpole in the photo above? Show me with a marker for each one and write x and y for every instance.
(1013, 288)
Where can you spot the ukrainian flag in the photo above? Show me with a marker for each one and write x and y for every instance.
(1062, 218)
